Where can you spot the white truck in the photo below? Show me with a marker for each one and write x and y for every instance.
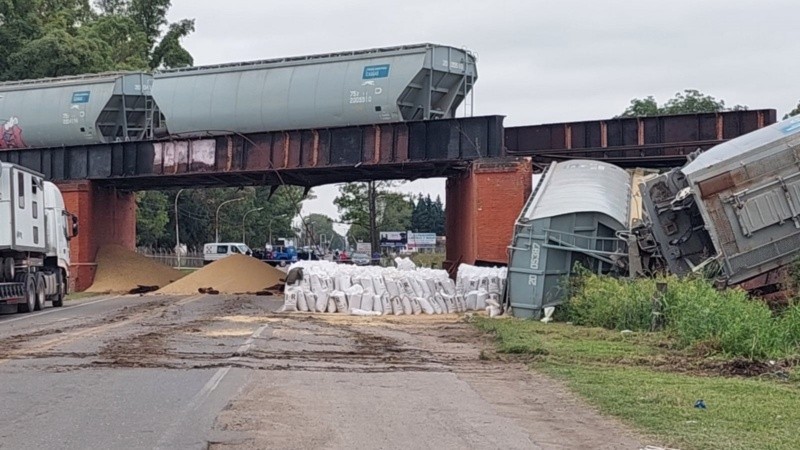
(35, 230)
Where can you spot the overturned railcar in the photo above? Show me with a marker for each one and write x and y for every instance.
(737, 204)
(573, 216)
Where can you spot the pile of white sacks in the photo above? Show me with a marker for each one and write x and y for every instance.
(404, 290)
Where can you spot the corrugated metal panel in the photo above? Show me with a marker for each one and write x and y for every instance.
(582, 186)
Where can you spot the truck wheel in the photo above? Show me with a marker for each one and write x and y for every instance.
(40, 297)
(30, 295)
(7, 269)
(58, 299)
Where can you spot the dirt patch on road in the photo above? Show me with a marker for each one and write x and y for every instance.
(427, 375)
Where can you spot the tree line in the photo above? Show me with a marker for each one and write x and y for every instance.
(53, 38)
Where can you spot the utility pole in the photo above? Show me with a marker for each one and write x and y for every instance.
(374, 236)
(177, 231)
(243, 223)
(216, 219)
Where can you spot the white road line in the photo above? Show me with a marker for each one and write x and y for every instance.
(244, 348)
(80, 305)
(55, 310)
(167, 439)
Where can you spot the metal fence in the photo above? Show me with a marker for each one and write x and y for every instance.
(193, 259)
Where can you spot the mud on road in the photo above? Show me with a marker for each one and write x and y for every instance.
(326, 381)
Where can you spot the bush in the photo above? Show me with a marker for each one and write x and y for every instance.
(790, 328)
(611, 303)
(728, 321)
(694, 312)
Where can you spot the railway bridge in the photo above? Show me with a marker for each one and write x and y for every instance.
(488, 167)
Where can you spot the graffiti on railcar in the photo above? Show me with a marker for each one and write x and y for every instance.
(11, 134)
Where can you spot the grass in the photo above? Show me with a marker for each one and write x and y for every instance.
(649, 381)
(696, 314)
(428, 260)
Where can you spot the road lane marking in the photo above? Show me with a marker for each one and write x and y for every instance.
(244, 348)
(169, 437)
(54, 309)
(190, 299)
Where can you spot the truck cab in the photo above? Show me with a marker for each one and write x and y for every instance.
(35, 229)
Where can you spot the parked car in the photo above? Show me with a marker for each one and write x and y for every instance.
(360, 259)
(217, 250)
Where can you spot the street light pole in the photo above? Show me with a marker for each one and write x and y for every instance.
(270, 226)
(243, 219)
(177, 230)
(216, 219)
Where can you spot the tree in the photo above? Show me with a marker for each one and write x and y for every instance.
(642, 107)
(439, 217)
(793, 112)
(428, 216)
(319, 230)
(391, 212)
(152, 218)
(197, 210)
(51, 38)
(690, 101)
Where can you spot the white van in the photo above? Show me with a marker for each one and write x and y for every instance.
(218, 250)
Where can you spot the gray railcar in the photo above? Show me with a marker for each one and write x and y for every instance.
(76, 110)
(738, 203)
(416, 82)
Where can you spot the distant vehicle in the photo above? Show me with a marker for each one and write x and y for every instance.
(407, 251)
(360, 259)
(281, 256)
(217, 250)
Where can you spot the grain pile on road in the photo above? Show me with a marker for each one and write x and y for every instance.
(236, 274)
(120, 270)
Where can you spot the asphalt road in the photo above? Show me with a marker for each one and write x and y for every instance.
(86, 375)
(228, 372)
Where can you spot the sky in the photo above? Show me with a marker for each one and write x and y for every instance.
(538, 61)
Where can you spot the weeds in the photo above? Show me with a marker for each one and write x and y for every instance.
(694, 312)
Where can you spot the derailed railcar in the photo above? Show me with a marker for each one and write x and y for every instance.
(574, 215)
(738, 203)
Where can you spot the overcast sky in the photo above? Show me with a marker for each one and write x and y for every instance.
(538, 61)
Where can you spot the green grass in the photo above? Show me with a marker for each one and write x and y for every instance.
(649, 381)
(725, 322)
(428, 260)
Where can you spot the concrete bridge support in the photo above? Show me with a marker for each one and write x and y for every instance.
(105, 216)
(482, 207)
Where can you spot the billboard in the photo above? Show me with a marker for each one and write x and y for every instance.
(421, 240)
(393, 239)
(364, 247)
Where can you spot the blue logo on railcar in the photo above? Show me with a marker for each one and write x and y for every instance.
(381, 71)
(793, 126)
(80, 97)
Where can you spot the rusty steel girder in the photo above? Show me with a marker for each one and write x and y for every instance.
(658, 141)
(402, 150)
